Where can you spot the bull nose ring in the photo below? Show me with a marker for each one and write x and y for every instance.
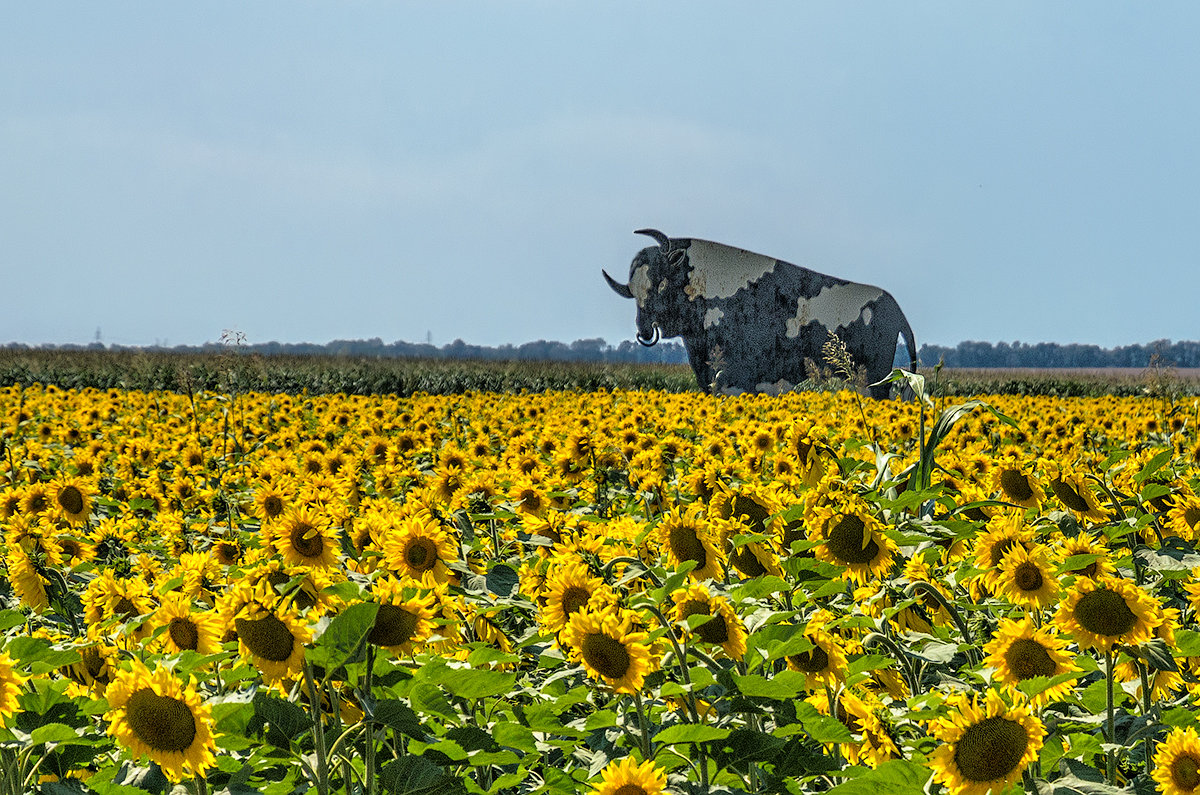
(652, 340)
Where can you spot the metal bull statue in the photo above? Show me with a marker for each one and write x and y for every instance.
(764, 316)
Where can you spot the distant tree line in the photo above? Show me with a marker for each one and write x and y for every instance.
(585, 350)
(964, 354)
(1051, 354)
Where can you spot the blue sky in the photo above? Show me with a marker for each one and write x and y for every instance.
(303, 171)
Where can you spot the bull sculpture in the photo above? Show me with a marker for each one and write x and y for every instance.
(750, 321)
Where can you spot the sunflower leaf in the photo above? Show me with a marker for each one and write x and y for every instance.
(895, 777)
(690, 733)
(343, 640)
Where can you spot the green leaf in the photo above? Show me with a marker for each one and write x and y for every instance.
(429, 699)
(1038, 684)
(399, 716)
(690, 733)
(285, 721)
(896, 777)
(822, 728)
(782, 686)
(345, 638)
(502, 579)
(55, 733)
(481, 683)
(600, 719)
(413, 775)
(1154, 464)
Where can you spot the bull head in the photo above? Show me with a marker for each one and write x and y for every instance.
(651, 266)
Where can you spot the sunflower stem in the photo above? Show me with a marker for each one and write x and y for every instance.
(1110, 725)
(369, 756)
(322, 777)
(1147, 704)
(643, 726)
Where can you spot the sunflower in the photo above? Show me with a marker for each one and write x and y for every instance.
(686, 537)
(1016, 483)
(36, 499)
(270, 503)
(984, 747)
(1026, 577)
(405, 618)
(723, 627)
(1162, 683)
(1177, 762)
(272, 638)
(72, 502)
(304, 537)
(94, 671)
(1100, 563)
(610, 649)
(108, 598)
(27, 582)
(10, 688)
(1183, 518)
(186, 629)
(1003, 534)
(860, 713)
(155, 716)
(627, 777)
(853, 539)
(420, 548)
(569, 587)
(823, 665)
(1020, 651)
(1104, 612)
(1076, 495)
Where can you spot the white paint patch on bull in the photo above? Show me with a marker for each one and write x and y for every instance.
(834, 307)
(639, 283)
(712, 317)
(867, 315)
(719, 271)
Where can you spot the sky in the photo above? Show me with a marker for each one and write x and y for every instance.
(311, 171)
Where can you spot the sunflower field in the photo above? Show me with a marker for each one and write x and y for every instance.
(613, 592)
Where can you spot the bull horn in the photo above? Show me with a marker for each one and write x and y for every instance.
(662, 239)
(620, 289)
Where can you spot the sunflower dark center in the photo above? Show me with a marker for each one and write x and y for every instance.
(125, 609)
(812, 661)
(990, 749)
(272, 506)
(1028, 577)
(606, 655)
(70, 500)
(38, 503)
(745, 561)
(686, 545)
(420, 554)
(1067, 494)
(266, 637)
(1191, 515)
(393, 626)
(754, 515)
(1001, 549)
(184, 633)
(846, 542)
(162, 722)
(715, 630)
(1185, 772)
(1027, 658)
(573, 598)
(1016, 485)
(630, 789)
(306, 540)
(1104, 612)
